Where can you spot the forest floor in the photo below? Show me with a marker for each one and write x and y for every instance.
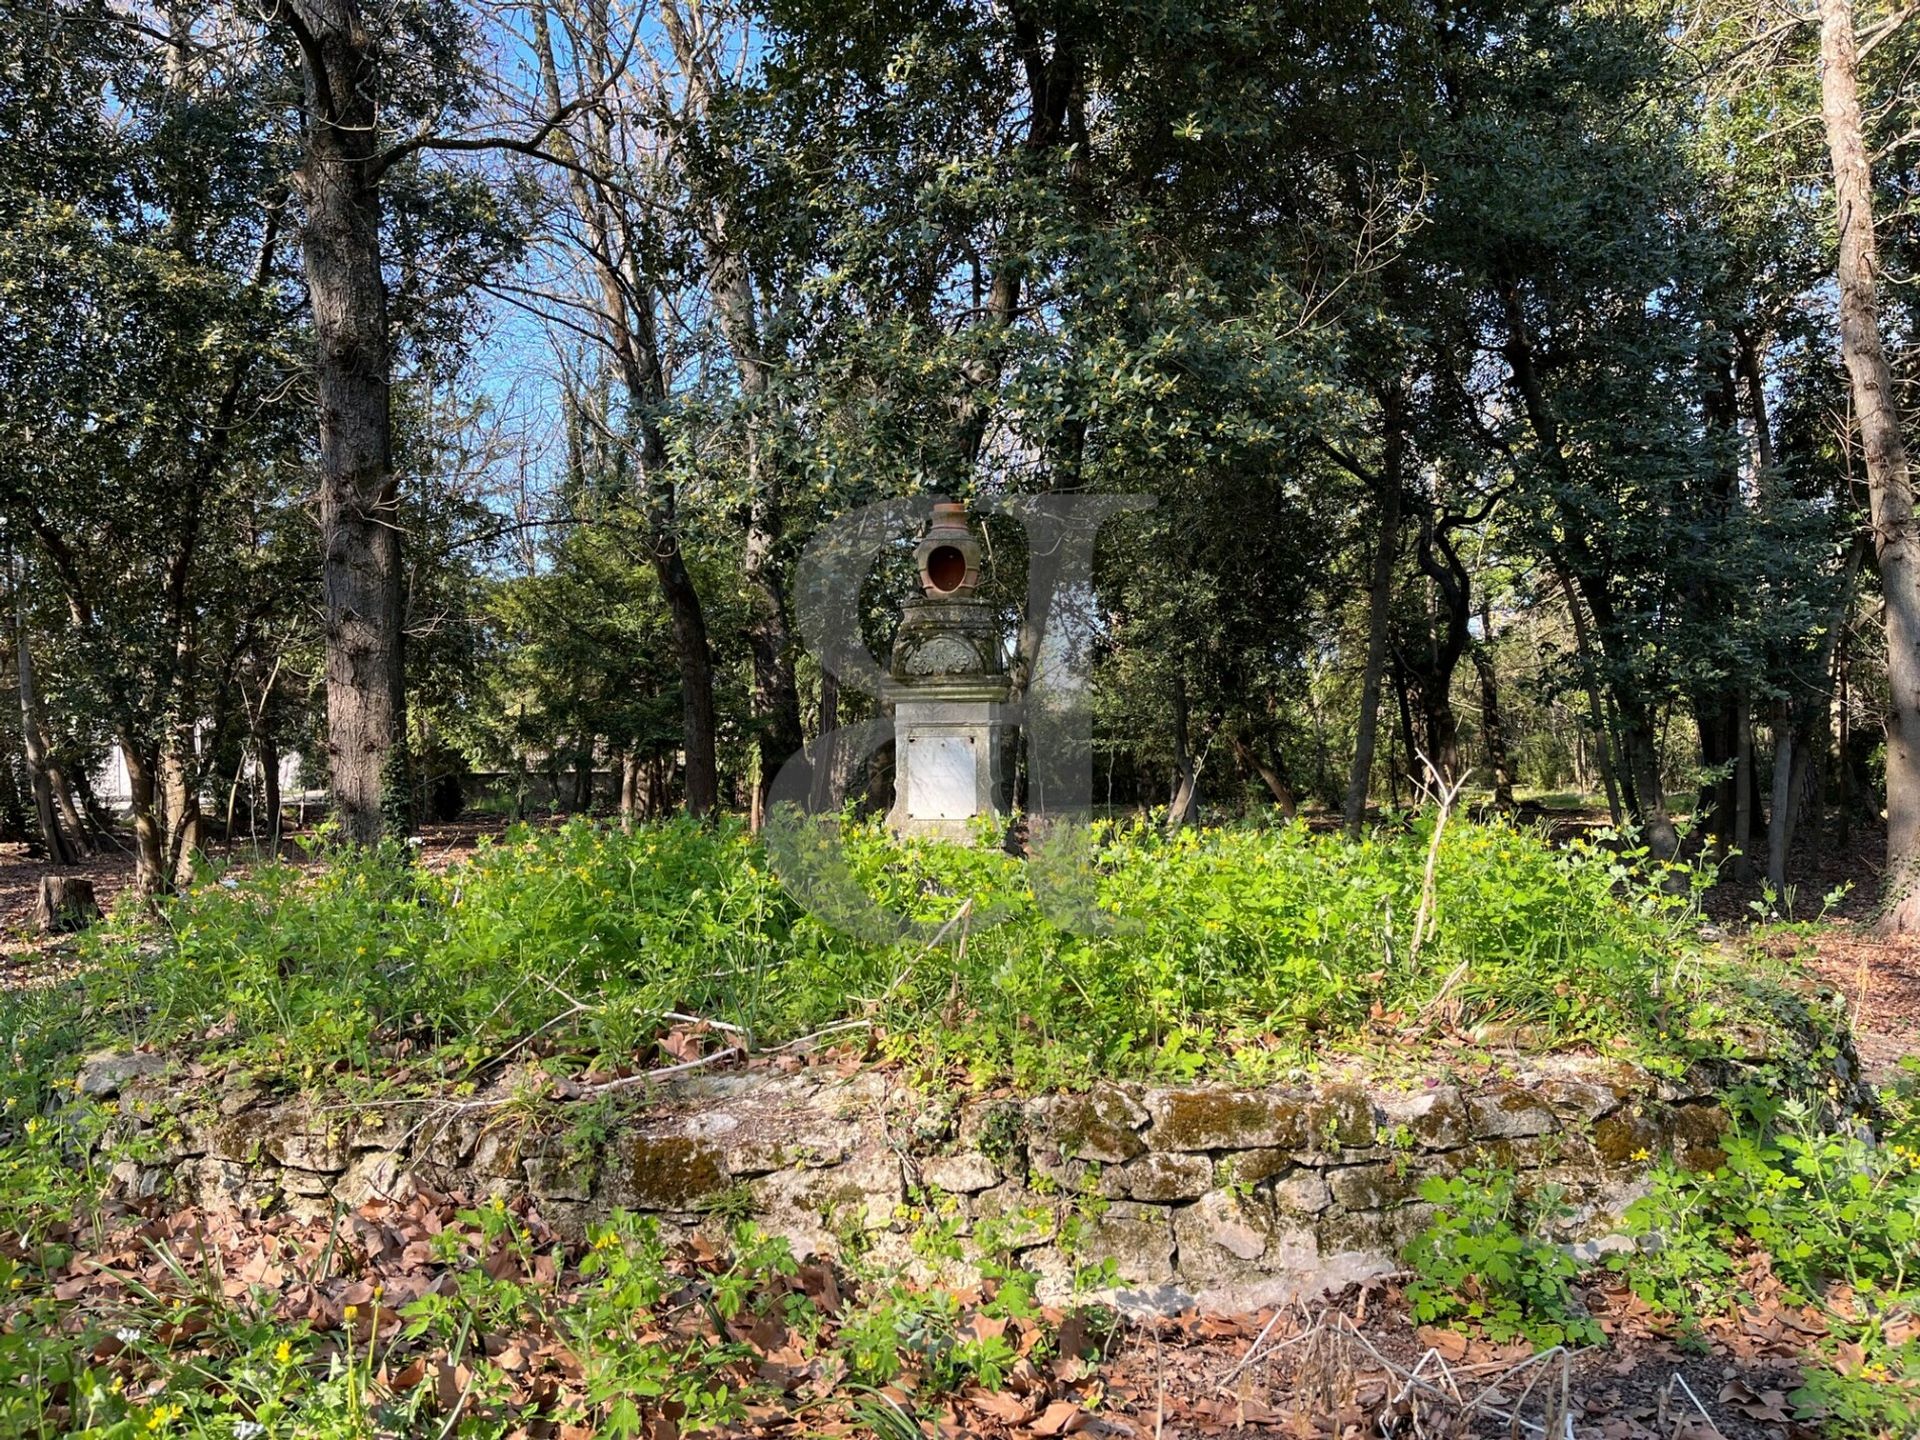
(1349, 1365)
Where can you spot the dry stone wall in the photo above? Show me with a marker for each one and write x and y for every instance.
(1196, 1194)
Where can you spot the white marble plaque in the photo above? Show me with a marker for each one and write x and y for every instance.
(940, 781)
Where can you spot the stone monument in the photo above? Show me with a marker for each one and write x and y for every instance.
(948, 690)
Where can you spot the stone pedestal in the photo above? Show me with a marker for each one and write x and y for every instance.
(947, 743)
(948, 692)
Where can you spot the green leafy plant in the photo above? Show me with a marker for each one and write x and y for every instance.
(1242, 946)
(1834, 1212)
(1485, 1263)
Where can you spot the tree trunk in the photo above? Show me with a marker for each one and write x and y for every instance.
(1184, 806)
(14, 824)
(1889, 484)
(1742, 786)
(100, 820)
(696, 678)
(1492, 722)
(69, 811)
(61, 850)
(338, 181)
(1602, 726)
(1379, 614)
(267, 755)
(583, 778)
(625, 313)
(1431, 663)
(1410, 756)
(827, 786)
(149, 849)
(1249, 757)
(180, 794)
(1780, 812)
(659, 790)
(776, 693)
(1643, 768)
(65, 903)
(629, 790)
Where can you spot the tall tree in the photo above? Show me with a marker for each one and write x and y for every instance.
(1896, 535)
(360, 538)
(615, 204)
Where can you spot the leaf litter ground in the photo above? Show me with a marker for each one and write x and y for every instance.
(144, 1284)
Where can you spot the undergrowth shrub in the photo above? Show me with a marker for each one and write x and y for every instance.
(1833, 1211)
(1246, 945)
(1486, 1261)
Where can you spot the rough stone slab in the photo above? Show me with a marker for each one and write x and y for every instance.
(498, 1155)
(385, 1128)
(1160, 1177)
(1374, 1187)
(447, 1141)
(299, 1138)
(1585, 1100)
(717, 1125)
(1137, 1238)
(240, 1137)
(1509, 1113)
(758, 1156)
(1436, 1119)
(550, 1177)
(212, 1182)
(1068, 1177)
(1216, 1192)
(232, 1102)
(1102, 1125)
(1017, 1218)
(1207, 1118)
(964, 1174)
(104, 1073)
(1250, 1167)
(1522, 1152)
(130, 1180)
(374, 1175)
(1223, 1233)
(1698, 1132)
(1374, 1232)
(668, 1172)
(813, 1205)
(1303, 1192)
(305, 1184)
(1627, 1137)
(1341, 1117)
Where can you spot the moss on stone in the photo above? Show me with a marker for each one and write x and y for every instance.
(1100, 1124)
(1232, 1120)
(1625, 1137)
(1341, 1116)
(1697, 1132)
(672, 1172)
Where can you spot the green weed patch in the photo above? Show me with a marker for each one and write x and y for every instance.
(1241, 949)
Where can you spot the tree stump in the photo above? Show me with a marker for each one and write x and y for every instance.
(66, 903)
